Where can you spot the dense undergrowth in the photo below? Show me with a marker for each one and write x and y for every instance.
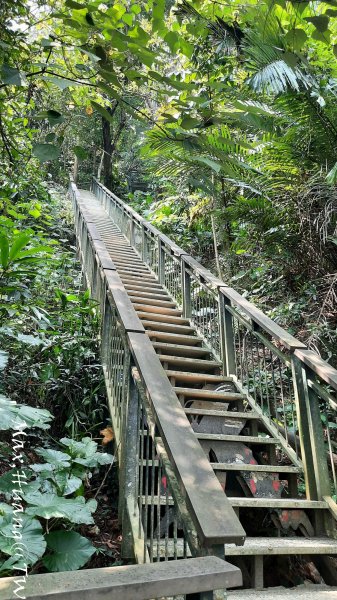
(53, 405)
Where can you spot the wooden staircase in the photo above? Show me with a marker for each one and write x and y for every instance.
(261, 480)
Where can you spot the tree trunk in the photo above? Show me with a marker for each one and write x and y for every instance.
(107, 148)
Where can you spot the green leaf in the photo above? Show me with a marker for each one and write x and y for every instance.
(47, 506)
(296, 38)
(10, 412)
(4, 250)
(332, 175)
(70, 551)
(32, 541)
(50, 137)
(172, 40)
(74, 5)
(102, 111)
(189, 123)
(321, 22)
(20, 241)
(55, 457)
(89, 19)
(60, 83)
(209, 162)
(10, 76)
(54, 116)
(80, 152)
(45, 152)
(158, 15)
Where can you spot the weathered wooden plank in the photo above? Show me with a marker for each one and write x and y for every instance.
(254, 468)
(215, 521)
(290, 342)
(278, 503)
(122, 302)
(318, 366)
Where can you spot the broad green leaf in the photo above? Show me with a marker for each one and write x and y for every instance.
(189, 123)
(4, 250)
(74, 5)
(11, 412)
(172, 40)
(53, 116)
(10, 75)
(66, 484)
(20, 242)
(158, 15)
(110, 76)
(321, 22)
(70, 551)
(47, 506)
(59, 82)
(209, 162)
(7, 485)
(296, 38)
(102, 111)
(80, 152)
(31, 538)
(55, 457)
(45, 152)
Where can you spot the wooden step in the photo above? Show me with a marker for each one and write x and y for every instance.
(154, 326)
(208, 394)
(148, 316)
(138, 290)
(180, 350)
(151, 301)
(283, 545)
(175, 338)
(255, 468)
(245, 439)
(161, 310)
(146, 285)
(201, 378)
(133, 271)
(260, 546)
(228, 414)
(136, 276)
(192, 363)
(149, 282)
(281, 503)
(307, 591)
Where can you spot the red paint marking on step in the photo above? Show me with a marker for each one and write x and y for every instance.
(252, 486)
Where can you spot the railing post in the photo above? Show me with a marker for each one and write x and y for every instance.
(144, 245)
(311, 434)
(132, 232)
(186, 289)
(161, 262)
(226, 336)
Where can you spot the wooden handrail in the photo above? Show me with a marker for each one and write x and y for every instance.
(141, 582)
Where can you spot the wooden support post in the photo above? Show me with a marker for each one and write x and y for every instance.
(128, 468)
(186, 289)
(226, 336)
(311, 435)
(257, 574)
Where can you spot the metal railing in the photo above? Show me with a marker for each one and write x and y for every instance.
(170, 506)
(293, 390)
